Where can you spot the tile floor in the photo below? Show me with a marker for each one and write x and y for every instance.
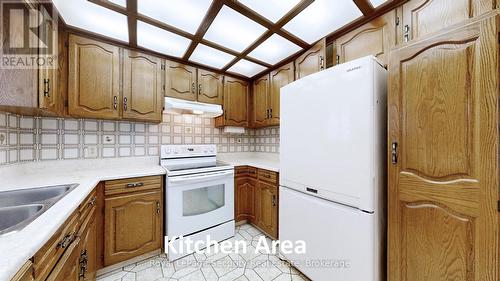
(211, 266)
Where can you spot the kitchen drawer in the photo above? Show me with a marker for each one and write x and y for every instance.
(268, 176)
(88, 204)
(48, 256)
(244, 171)
(132, 185)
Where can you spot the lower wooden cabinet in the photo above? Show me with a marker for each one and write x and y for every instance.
(68, 268)
(256, 198)
(25, 273)
(133, 220)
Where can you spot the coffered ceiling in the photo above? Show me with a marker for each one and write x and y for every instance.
(243, 37)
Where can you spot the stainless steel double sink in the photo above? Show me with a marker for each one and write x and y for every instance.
(18, 208)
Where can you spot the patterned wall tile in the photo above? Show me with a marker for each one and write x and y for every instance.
(24, 138)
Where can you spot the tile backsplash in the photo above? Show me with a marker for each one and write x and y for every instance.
(24, 138)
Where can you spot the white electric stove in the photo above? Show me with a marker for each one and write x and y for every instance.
(199, 196)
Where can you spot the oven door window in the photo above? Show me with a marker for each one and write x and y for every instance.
(202, 200)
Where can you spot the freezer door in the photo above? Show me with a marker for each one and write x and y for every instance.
(327, 134)
(342, 243)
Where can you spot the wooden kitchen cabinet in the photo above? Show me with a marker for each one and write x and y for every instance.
(68, 268)
(422, 17)
(245, 184)
(312, 61)
(34, 91)
(260, 96)
(210, 87)
(374, 38)
(235, 103)
(180, 81)
(133, 219)
(444, 140)
(279, 78)
(25, 273)
(94, 79)
(88, 249)
(142, 87)
(267, 208)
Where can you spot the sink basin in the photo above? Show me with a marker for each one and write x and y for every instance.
(18, 208)
(13, 217)
(32, 195)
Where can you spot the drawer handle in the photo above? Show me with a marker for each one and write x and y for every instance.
(135, 184)
(67, 239)
(267, 176)
(93, 201)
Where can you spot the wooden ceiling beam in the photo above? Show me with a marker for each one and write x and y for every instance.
(202, 29)
(364, 6)
(272, 28)
(132, 22)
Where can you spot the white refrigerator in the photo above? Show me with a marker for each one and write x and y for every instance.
(333, 171)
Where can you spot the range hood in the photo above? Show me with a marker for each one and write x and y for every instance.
(178, 106)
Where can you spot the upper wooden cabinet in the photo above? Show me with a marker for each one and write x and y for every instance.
(180, 81)
(94, 79)
(235, 103)
(279, 78)
(210, 87)
(142, 87)
(422, 17)
(311, 61)
(374, 38)
(443, 133)
(260, 94)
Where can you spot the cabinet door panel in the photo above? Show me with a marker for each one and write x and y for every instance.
(268, 208)
(443, 112)
(142, 87)
(88, 247)
(311, 61)
(427, 16)
(94, 78)
(235, 102)
(68, 267)
(260, 101)
(48, 94)
(279, 78)
(133, 225)
(374, 38)
(210, 88)
(244, 199)
(180, 81)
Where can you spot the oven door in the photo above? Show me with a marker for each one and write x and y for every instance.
(200, 201)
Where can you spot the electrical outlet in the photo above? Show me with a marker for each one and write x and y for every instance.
(3, 139)
(108, 139)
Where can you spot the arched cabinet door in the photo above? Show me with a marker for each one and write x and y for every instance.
(142, 87)
(180, 81)
(210, 87)
(423, 17)
(443, 156)
(235, 102)
(94, 79)
(312, 61)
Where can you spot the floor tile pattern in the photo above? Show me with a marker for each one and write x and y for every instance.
(211, 266)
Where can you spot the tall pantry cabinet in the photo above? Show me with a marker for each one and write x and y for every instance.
(443, 157)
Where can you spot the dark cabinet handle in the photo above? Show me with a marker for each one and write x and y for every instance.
(274, 200)
(135, 184)
(125, 100)
(192, 87)
(115, 102)
(93, 201)
(67, 239)
(199, 89)
(46, 87)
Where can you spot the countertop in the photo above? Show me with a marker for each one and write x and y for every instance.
(267, 161)
(16, 248)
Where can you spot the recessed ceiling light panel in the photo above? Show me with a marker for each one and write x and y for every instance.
(321, 18)
(210, 57)
(274, 50)
(273, 10)
(233, 30)
(186, 15)
(162, 41)
(376, 3)
(246, 68)
(94, 18)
